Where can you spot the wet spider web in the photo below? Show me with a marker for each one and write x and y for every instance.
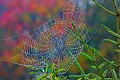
(52, 40)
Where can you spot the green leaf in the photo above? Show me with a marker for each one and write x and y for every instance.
(53, 67)
(101, 65)
(114, 75)
(87, 56)
(112, 62)
(41, 77)
(111, 41)
(93, 76)
(60, 70)
(118, 51)
(78, 33)
(71, 32)
(95, 50)
(94, 67)
(56, 78)
(51, 76)
(33, 72)
(46, 69)
(63, 78)
(39, 70)
(105, 73)
(77, 63)
(31, 67)
(46, 60)
(111, 32)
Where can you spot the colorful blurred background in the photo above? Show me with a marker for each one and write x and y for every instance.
(20, 16)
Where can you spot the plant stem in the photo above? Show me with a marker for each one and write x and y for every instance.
(115, 5)
(77, 63)
(118, 40)
(104, 8)
(113, 72)
(118, 25)
(91, 51)
(118, 32)
(79, 66)
(106, 60)
(95, 63)
(100, 73)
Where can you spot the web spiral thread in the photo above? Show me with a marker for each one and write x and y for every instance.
(52, 40)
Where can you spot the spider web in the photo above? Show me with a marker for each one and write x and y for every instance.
(52, 40)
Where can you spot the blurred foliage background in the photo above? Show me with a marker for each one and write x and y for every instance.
(19, 16)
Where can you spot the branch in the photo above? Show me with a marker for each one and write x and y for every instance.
(77, 63)
(90, 48)
(98, 53)
(104, 8)
(115, 5)
(99, 71)
(111, 31)
(111, 41)
(113, 73)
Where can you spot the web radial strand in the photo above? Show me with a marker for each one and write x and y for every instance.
(52, 40)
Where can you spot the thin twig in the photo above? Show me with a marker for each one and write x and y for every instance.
(100, 73)
(104, 8)
(118, 41)
(107, 60)
(115, 5)
(113, 73)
